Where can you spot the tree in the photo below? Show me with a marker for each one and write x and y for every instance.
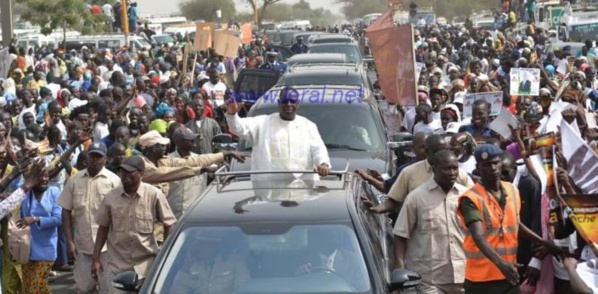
(206, 9)
(50, 15)
(279, 12)
(261, 10)
(358, 8)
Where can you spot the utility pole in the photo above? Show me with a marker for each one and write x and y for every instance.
(255, 8)
(125, 21)
(7, 24)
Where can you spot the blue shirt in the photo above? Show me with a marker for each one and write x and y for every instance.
(388, 183)
(274, 66)
(107, 141)
(299, 48)
(44, 236)
(487, 133)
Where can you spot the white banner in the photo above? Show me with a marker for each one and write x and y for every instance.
(494, 98)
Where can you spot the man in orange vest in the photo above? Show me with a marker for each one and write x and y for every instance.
(490, 210)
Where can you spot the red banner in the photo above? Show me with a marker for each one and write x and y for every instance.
(392, 47)
(246, 33)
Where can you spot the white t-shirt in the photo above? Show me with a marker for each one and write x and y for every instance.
(100, 131)
(215, 91)
(588, 273)
(469, 165)
(434, 127)
(107, 8)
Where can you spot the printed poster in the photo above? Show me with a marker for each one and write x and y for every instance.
(525, 81)
(582, 168)
(494, 98)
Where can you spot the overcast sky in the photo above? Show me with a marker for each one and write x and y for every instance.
(167, 7)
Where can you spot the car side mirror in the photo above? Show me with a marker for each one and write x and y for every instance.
(126, 281)
(222, 138)
(399, 145)
(403, 279)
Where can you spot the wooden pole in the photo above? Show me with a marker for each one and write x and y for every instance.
(125, 23)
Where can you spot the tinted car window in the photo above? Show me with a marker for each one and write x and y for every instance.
(348, 49)
(265, 258)
(331, 40)
(163, 39)
(273, 36)
(254, 86)
(287, 37)
(319, 79)
(351, 125)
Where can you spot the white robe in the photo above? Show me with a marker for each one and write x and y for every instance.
(281, 145)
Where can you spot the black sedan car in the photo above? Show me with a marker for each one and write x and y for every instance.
(281, 236)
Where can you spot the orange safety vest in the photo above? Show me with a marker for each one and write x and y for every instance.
(502, 237)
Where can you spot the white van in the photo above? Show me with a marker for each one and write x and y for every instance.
(36, 41)
(106, 41)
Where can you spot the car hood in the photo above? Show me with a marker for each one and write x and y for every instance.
(339, 158)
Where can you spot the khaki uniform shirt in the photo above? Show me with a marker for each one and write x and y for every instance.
(182, 193)
(416, 174)
(131, 241)
(175, 169)
(429, 222)
(82, 195)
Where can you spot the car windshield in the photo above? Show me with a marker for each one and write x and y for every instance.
(144, 43)
(273, 36)
(320, 79)
(351, 126)
(350, 50)
(287, 37)
(163, 39)
(265, 258)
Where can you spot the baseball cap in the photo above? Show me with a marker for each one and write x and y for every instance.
(152, 138)
(184, 133)
(133, 163)
(452, 128)
(98, 148)
(459, 97)
(487, 151)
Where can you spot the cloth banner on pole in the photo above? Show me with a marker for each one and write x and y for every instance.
(246, 33)
(392, 47)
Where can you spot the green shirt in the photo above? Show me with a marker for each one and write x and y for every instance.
(471, 213)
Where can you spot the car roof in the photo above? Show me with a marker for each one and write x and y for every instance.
(331, 37)
(317, 57)
(323, 70)
(348, 43)
(323, 200)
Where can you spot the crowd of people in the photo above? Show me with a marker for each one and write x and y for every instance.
(470, 206)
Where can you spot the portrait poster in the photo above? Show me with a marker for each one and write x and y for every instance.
(525, 81)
